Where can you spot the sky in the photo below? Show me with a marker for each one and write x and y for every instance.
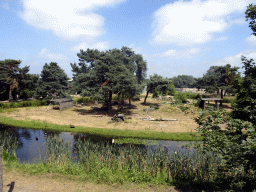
(175, 37)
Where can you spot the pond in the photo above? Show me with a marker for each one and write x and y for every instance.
(32, 143)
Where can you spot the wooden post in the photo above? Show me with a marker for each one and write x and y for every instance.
(203, 104)
(221, 93)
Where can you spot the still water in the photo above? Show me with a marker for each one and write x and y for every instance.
(31, 143)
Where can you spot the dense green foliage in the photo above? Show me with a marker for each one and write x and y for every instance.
(28, 85)
(52, 81)
(234, 141)
(251, 14)
(9, 71)
(218, 77)
(184, 81)
(99, 75)
(156, 84)
(245, 105)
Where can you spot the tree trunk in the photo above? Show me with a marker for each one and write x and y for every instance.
(123, 96)
(10, 94)
(221, 94)
(109, 101)
(118, 96)
(130, 100)
(1, 170)
(146, 97)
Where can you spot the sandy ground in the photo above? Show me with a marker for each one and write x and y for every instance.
(85, 116)
(23, 182)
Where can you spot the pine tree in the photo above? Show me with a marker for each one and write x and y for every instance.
(12, 78)
(52, 82)
(111, 72)
(156, 82)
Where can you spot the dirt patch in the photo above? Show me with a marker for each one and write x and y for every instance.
(88, 117)
(24, 182)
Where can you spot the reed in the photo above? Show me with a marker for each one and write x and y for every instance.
(115, 163)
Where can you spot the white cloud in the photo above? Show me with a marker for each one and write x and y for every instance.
(177, 54)
(47, 55)
(135, 48)
(101, 46)
(251, 40)
(235, 60)
(193, 22)
(67, 19)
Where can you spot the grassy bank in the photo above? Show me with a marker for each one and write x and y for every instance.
(110, 133)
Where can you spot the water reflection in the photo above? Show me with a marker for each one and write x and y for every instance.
(31, 143)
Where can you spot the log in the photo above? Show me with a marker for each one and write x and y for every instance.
(157, 119)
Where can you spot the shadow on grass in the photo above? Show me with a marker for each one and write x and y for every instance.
(125, 109)
(148, 104)
(224, 105)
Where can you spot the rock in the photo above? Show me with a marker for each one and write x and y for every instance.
(79, 105)
(111, 121)
(72, 126)
(129, 117)
(149, 109)
(118, 120)
(121, 116)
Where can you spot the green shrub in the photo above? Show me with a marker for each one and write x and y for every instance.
(228, 100)
(32, 103)
(180, 97)
(84, 100)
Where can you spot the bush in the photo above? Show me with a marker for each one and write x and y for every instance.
(84, 100)
(237, 148)
(32, 103)
(180, 97)
(171, 90)
(228, 100)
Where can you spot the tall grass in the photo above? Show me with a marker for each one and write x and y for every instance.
(113, 163)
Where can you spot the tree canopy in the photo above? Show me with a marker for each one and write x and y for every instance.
(156, 82)
(14, 79)
(219, 77)
(245, 103)
(184, 81)
(250, 13)
(52, 81)
(100, 74)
